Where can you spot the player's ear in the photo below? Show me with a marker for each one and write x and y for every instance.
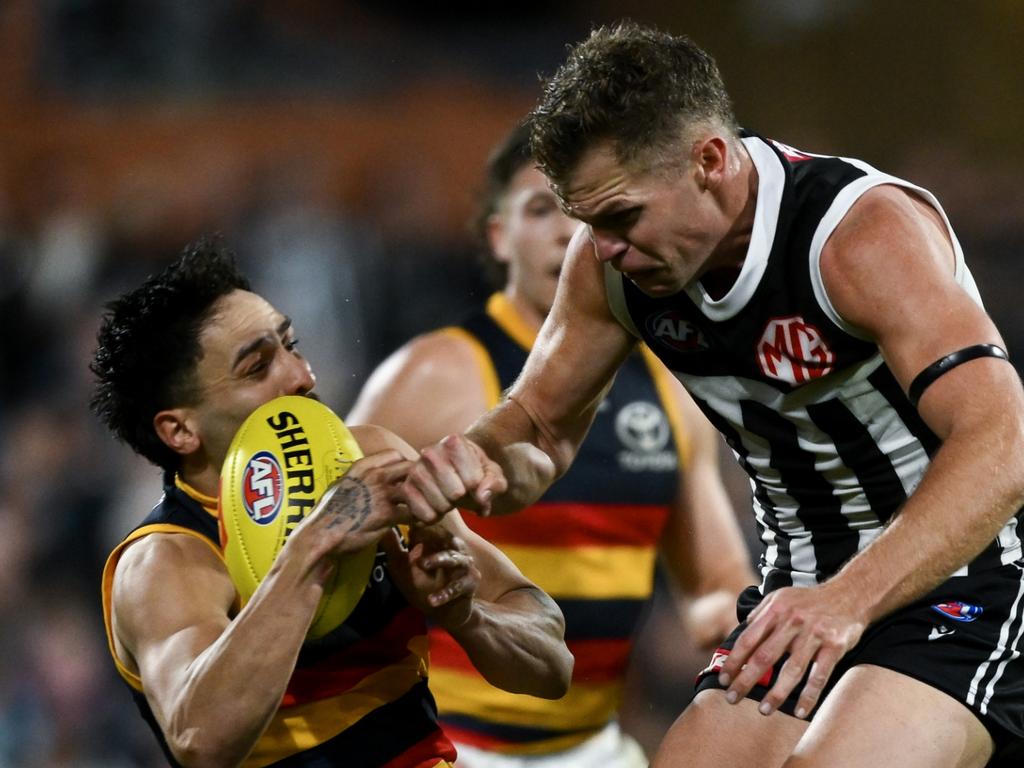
(496, 239)
(711, 156)
(176, 429)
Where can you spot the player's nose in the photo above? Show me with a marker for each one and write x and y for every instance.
(607, 244)
(301, 378)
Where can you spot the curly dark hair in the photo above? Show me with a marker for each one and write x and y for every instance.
(148, 346)
(504, 162)
(634, 85)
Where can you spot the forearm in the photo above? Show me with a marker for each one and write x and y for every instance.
(232, 689)
(530, 460)
(518, 644)
(973, 486)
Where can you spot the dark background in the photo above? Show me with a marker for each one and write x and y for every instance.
(338, 146)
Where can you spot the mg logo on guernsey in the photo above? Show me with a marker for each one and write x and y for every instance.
(261, 488)
(793, 350)
(674, 331)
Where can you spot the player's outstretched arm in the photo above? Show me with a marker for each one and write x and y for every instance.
(432, 387)
(889, 270)
(534, 433)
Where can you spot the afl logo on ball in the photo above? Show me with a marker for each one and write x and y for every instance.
(261, 488)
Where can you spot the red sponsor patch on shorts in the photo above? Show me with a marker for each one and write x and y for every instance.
(718, 661)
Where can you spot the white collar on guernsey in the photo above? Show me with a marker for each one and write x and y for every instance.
(770, 181)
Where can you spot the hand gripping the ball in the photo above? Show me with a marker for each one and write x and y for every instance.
(357, 510)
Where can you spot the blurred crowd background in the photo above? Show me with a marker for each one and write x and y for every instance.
(338, 146)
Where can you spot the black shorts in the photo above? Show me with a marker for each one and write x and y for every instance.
(964, 638)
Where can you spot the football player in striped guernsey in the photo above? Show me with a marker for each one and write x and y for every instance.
(645, 482)
(181, 361)
(843, 350)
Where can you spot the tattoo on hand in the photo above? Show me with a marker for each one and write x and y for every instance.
(351, 503)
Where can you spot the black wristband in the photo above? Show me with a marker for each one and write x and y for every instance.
(925, 378)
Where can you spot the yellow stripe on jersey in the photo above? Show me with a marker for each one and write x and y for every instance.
(586, 705)
(108, 585)
(663, 384)
(208, 503)
(510, 321)
(587, 572)
(304, 726)
(488, 376)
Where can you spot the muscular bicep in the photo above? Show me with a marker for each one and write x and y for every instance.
(431, 387)
(172, 598)
(889, 269)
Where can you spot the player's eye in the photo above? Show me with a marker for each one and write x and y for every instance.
(542, 207)
(257, 367)
(621, 219)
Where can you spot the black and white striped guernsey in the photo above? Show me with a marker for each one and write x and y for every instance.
(831, 443)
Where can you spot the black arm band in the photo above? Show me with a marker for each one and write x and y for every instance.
(945, 364)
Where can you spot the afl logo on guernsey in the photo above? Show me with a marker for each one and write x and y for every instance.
(671, 329)
(261, 488)
(794, 351)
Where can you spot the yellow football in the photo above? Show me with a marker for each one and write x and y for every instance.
(280, 462)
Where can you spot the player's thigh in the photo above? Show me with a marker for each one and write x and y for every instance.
(875, 717)
(712, 733)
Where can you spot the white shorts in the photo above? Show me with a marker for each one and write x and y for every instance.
(609, 748)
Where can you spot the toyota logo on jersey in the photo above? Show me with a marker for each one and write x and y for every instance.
(261, 488)
(794, 351)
